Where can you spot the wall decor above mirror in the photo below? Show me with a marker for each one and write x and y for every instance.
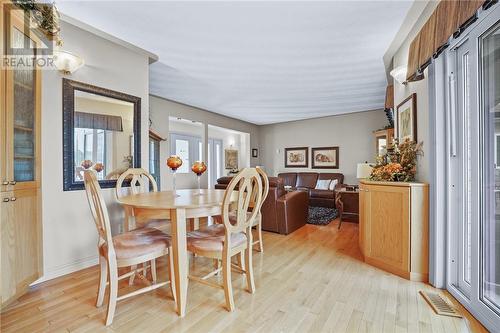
(101, 131)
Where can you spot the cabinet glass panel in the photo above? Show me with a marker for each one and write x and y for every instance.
(24, 111)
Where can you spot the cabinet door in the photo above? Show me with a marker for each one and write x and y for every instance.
(3, 135)
(20, 242)
(388, 216)
(22, 111)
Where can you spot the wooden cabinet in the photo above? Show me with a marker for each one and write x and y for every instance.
(394, 227)
(21, 243)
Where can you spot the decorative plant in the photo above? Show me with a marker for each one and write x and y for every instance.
(399, 164)
(44, 15)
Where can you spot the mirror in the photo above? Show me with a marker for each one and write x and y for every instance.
(101, 132)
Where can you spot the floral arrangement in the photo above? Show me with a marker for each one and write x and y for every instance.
(43, 15)
(399, 164)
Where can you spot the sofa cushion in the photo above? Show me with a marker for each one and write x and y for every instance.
(289, 178)
(332, 175)
(323, 184)
(307, 179)
(327, 194)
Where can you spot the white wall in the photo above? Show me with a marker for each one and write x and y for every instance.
(160, 111)
(421, 88)
(351, 132)
(69, 233)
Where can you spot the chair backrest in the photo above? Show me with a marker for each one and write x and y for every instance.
(265, 186)
(98, 208)
(249, 184)
(140, 181)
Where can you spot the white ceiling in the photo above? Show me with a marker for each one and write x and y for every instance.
(263, 62)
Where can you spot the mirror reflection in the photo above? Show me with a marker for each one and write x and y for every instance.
(103, 135)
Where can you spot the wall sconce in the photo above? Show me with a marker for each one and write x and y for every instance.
(399, 74)
(67, 62)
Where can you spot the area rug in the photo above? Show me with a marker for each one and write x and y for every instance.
(321, 215)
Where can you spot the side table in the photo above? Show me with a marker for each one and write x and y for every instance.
(347, 203)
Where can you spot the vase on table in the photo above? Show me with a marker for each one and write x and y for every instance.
(199, 167)
(174, 162)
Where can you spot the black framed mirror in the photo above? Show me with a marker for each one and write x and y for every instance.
(101, 131)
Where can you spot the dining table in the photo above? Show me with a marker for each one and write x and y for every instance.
(177, 206)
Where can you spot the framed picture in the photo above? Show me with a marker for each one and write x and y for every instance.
(325, 158)
(297, 157)
(406, 119)
(231, 159)
(255, 152)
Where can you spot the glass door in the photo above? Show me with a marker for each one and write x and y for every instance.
(490, 186)
(22, 112)
(461, 175)
(473, 131)
(214, 161)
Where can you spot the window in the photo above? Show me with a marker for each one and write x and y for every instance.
(154, 159)
(188, 148)
(91, 144)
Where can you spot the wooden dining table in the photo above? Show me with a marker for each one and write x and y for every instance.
(178, 206)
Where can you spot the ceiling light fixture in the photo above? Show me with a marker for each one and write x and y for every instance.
(399, 74)
(67, 62)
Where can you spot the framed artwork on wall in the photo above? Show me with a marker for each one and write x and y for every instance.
(231, 159)
(406, 119)
(297, 157)
(325, 158)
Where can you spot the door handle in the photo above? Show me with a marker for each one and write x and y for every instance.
(6, 200)
(13, 199)
(5, 182)
(12, 182)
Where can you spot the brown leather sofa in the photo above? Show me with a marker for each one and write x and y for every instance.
(306, 181)
(282, 212)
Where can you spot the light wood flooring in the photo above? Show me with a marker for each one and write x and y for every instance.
(309, 281)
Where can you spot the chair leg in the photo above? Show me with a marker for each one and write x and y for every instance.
(241, 260)
(153, 270)
(103, 278)
(249, 270)
(132, 277)
(171, 275)
(113, 291)
(228, 288)
(340, 222)
(259, 235)
(216, 265)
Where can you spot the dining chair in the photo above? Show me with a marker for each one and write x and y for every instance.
(141, 181)
(131, 248)
(234, 236)
(258, 220)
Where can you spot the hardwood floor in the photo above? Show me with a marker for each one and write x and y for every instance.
(309, 281)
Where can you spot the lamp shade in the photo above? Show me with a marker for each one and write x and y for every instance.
(364, 170)
(67, 62)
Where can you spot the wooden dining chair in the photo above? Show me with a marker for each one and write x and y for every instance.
(141, 181)
(131, 248)
(232, 237)
(258, 220)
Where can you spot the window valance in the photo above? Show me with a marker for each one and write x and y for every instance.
(449, 18)
(98, 121)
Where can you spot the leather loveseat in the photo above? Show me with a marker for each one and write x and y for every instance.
(282, 212)
(306, 181)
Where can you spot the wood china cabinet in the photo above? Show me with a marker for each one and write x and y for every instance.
(383, 138)
(20, 165)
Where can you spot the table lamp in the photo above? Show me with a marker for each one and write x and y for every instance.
(364, 170)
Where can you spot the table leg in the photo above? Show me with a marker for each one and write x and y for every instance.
(179, 249)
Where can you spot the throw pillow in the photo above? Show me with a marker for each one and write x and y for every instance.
(323, 184)
(333, 184)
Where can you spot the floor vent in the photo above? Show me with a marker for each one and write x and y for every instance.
(439, 304)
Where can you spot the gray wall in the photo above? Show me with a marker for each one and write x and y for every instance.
(69, 233)
(351, 132)
(160, 111)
